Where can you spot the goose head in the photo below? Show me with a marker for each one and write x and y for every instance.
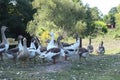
(33, 43)
(76, 36)
(51, 34)
(33, 39)
(20, 37)
(58, 40)
(3, 28)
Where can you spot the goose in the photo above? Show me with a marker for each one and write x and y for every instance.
(101, 48)
(90, 47)
(32, 49)
(73, 48)
(23, 55)
(32, 44)
(12, 53)
(53, 53)
(41, 50)
(5, 44)
(51, 44)
(83, 53)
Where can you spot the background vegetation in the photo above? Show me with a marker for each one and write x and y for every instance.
(70, 16)
(39, 17)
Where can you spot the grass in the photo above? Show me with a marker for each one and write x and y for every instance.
(97, 67)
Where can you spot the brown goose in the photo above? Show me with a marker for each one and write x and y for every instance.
(23, 55)
(5, 44)
(101, 48)
(53, 53)
(12, 53)
(90, 47)
(41, 50)
(83, 53)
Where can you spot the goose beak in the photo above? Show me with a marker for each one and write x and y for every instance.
(7, 29)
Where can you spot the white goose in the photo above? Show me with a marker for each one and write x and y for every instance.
(51, 44)
(32, 44)
(23, 55)
(5, 44)
(53, 53)
(90, 47)
(73, 48)
(12, 53)
(32, 49)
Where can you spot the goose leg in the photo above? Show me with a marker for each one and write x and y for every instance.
(24, 65)
(1, 57)
(43, 60)
(54, 61)
(14, 60)
(80, 59)
(85, 59)
(35, 60)
(65, 57)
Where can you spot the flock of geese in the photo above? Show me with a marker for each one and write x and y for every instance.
(51, 52)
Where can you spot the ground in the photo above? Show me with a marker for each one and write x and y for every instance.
(97, 67)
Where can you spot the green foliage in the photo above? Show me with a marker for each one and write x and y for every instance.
(101, 26)
(95, 13)
(69, 15)
(117, 16)
(15, 16)
(80, 27)
(118, 8)
(113, 10)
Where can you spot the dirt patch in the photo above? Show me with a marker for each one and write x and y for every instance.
(59, 66)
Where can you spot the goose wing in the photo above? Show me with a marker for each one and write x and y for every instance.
(13, 50)
(66, 44)
(2, 47)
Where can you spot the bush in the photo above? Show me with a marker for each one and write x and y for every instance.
(101, 26)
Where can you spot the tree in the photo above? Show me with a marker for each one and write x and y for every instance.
(16, 16)
(113, 10)
(56, 14)
(101, 27)
(68, 15)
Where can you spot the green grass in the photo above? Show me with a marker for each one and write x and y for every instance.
(102, 67)
(98, 67)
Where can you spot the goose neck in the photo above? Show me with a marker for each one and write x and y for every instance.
(25, 44)
(52, 39)
(90, 41)
(4, 39)
(32, 45)
(20, 44)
